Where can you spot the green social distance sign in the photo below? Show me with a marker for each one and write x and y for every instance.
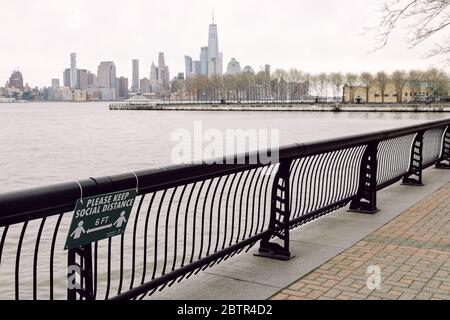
(100, 217)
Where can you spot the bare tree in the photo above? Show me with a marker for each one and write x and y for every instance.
(399, 80)
(336, 80)
(425, 18)
(415, 82)
(351, 80)
(323, 85)
(367, 81)
(381, 81)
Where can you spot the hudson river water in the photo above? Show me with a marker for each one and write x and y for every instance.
(45, 143)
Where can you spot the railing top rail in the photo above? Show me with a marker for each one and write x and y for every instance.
(29, 204)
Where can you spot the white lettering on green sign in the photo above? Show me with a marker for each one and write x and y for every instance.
(100, 217)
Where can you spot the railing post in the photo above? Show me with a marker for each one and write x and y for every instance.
(366, 198)
(445, 154)
(279, 217)
(84, 269)
(415, 164)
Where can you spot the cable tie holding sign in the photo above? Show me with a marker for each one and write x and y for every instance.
(81, 191)
(137, 181)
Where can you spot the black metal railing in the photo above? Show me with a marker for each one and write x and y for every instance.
(191, 217)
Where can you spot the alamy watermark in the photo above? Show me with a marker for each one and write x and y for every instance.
(214, 146)
(374, 277)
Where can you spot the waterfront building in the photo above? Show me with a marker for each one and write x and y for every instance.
(55, 84)
(16, 80)
(135, 79)
(66, 78)
(410, 93)
(79, 95)
(234, 67)
(123, 87)
(65, 94)
(73, 71)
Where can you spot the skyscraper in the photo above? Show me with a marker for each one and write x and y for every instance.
(73, 71)
(163, 71)
(214, 56)
(204, 61)
(106, 75)
(82, 79)
(123, 87)
(153, 77)
(16, 80)
(187, 66)
(106, 80)
(135, 81)
(66, 78)
(55, 84)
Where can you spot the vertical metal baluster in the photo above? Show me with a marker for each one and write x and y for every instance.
(133, 250)
(94, 276)
(195, 220)
(166, 236)
(266, 195)
(108, 283)
(234, 207)
(19, 248)
(248, 203)
(211, 216)
(226, 210)
(147, 218)
(35, 260)
(122, 239)
(247, 174)
(52, 253)
(2, 242)
(155, 260)
(175, 240)
(210, 182)
(222, 192)
(260, 172)
(186, 214)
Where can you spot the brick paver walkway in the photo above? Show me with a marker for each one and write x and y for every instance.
(412, 252)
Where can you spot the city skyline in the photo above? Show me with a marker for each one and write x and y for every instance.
(314, 39)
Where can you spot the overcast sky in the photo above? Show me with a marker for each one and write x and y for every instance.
(314, 35)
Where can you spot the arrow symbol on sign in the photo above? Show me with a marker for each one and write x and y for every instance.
(107, 226)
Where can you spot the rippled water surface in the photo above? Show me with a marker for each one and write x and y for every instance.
(45, 143)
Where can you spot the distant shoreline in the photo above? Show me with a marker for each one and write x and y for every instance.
(437, 107)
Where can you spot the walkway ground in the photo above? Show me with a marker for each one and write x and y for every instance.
(412, 253)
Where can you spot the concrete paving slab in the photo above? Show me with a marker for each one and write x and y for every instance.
(205, 286)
